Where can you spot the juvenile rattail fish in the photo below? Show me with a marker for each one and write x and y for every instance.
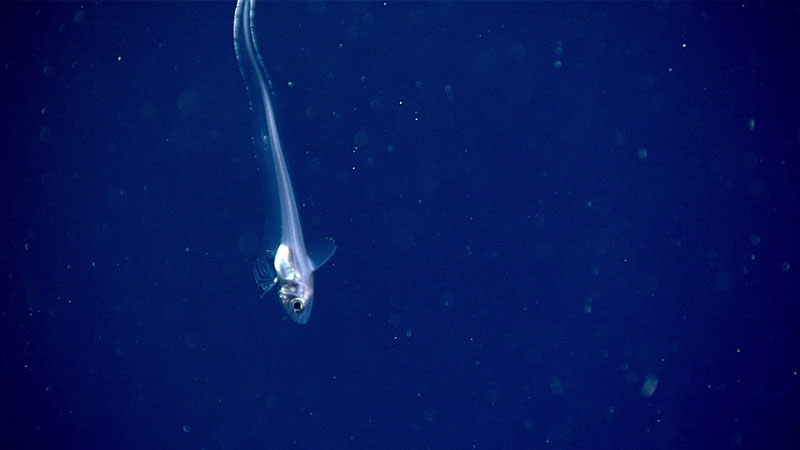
(292, 267)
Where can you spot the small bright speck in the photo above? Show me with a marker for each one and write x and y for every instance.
(785, 266)
(751, 124)
(187, 428)
(642, 153)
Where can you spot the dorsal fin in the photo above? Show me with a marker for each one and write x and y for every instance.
(321, 252)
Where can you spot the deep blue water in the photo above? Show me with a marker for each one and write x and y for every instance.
(560, 226)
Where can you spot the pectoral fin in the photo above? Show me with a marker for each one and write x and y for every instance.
(264, 275)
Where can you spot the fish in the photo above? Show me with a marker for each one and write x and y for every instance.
(292, 268)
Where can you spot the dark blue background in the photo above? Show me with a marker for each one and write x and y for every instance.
(525, 249)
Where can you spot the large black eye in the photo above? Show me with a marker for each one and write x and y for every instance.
(297, 305)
